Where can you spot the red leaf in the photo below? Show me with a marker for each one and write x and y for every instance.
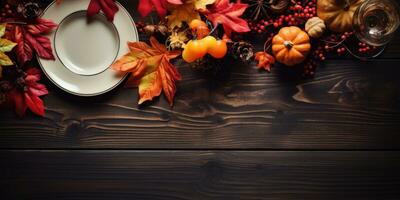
(41, 44)
(33, 75)
(19, 102)
(34, 103)
(146, 6)
(228, 14)
(109, 7)
(23, 50)
(41, 26)
(29, 98)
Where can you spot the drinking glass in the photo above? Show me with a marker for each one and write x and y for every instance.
(376, 21)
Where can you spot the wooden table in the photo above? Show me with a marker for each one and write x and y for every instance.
(254, 136)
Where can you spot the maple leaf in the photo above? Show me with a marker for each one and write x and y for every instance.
(182, 13)
(30, 38)
(109, 7)
(150, 69)
(228, 14)
(265, 60)
(146, 6)
(29, 96)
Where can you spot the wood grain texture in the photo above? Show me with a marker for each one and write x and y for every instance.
(201, 175)
(348, 105)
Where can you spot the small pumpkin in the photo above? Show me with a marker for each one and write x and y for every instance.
(291, 45)
(315, 27)
(338, 14)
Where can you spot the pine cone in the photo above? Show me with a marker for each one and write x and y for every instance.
(30, 11)
(243, 51)
(211, 66)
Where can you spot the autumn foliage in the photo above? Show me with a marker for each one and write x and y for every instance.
(150, 69)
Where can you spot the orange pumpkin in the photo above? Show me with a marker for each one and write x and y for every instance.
(291, 45)
(338, 14)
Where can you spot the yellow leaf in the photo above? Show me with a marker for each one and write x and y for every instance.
(202, 4)
(5, 60)
(6, 45)
(182, 13)
(2, 29)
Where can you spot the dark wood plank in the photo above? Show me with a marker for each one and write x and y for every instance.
(348, 105)
(202, 175)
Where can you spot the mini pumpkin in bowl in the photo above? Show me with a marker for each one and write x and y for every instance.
(338, 14)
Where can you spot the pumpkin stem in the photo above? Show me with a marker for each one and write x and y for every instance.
(347, 5)
(288, 44)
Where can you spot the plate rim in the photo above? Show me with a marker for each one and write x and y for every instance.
(123, 78)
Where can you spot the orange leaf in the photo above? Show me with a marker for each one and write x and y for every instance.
(265, 60)
(151, 70)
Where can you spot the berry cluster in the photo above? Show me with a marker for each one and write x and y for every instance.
(297, 14)
(365, 48)
(335, 42)
(319, 54)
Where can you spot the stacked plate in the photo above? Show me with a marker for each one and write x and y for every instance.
(85, 49)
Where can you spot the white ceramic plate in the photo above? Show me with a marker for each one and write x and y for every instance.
(84, 50)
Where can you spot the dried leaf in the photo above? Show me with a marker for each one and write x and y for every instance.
(228, 14)
(182, 13)
(177, 39)
(151, 69)
(265, 60)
